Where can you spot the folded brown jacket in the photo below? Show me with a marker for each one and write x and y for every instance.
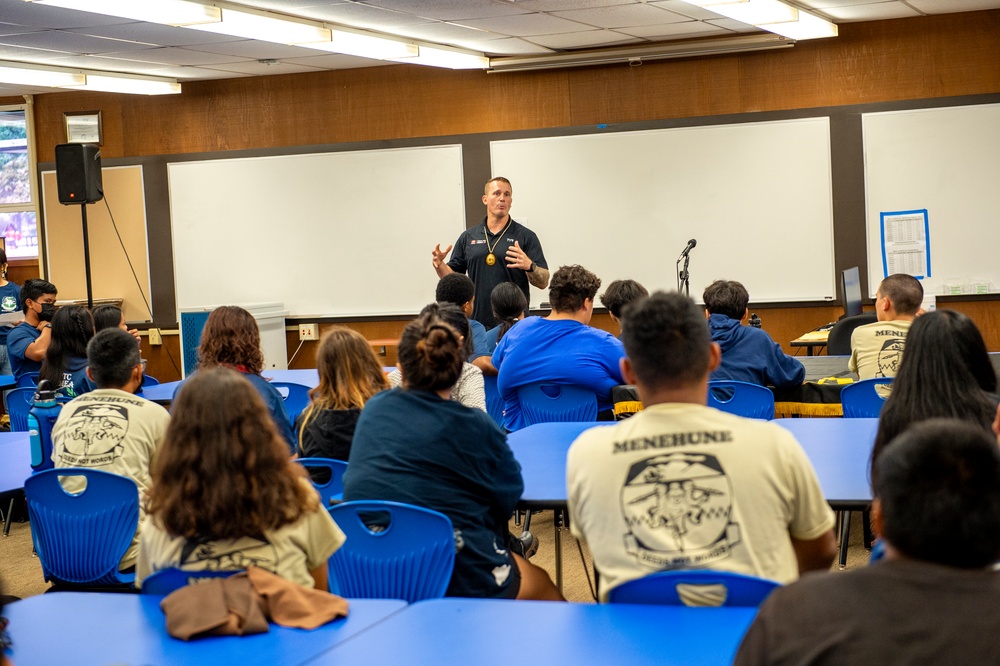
(243, 603)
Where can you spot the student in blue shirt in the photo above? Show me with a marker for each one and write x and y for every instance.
(65, 364)
(458, 289)
(748, 354)
(28, 341)
(10, 302)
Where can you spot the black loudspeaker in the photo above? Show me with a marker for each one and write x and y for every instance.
(78, 173)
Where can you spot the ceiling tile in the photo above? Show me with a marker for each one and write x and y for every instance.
(873, 12)
(172, 55)
(623, 16)
(71, 42)
(42, 16)
(447, 33)
(823, 4)
(154, 33)
(289, 5)
(510, 46)
(190, 73)
(563, 5)
(361, 16)
(101, 62)
(583, 40)
(689, 10)
(11, 29)
(28, 55)
(255, 68)
(450, 10)
(948, 6)
(525, 25)
(734, 26)
(248, 48)
(674, 30)
(337, 61)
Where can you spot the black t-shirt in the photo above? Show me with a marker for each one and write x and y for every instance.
(469, 256)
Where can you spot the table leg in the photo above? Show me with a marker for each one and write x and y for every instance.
(845, 536)
(6, 521)
(556, 523)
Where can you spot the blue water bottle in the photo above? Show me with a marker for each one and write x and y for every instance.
(41, 418)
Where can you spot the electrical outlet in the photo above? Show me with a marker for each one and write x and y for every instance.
(154, 337)
(308, 331)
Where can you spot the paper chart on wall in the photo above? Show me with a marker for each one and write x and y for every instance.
(906, 243)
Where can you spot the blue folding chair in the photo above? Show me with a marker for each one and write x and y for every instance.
(165, 581)
(862, 399)
(327, 477)
(150, 381)
(18, 403)
(28, 380)
(81, 537)
(694, 588)
(408, 553)
(494, 402)
(742, 399)
(297, 400)
(548, 403)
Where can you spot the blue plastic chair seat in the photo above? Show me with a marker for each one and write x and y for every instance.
(408, 554)
(751, 401)
(327, 477)
(694, 588)
(18, 403)
(80, 538)
(297, 399)
(553, 403)
(862, 399)
(28, 380)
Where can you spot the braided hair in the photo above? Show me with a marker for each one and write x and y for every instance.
(72, 329)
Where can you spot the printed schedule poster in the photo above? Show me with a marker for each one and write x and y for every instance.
(906, 243)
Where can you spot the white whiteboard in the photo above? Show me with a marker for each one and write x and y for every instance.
(946, 161)
(756, 196)
(347, 233)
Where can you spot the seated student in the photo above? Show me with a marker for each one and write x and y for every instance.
(561, 348)
(944, 351)
(111, 316)
(509, 306)
(416, 446)
(683, 486)
(748, 354)
(231, 339)
(27, 342)
(65, 364)
(458, 289)
(10, 303)
(469, 389)
(109, 429)
(349, 374)
(932, 599)
(225, 494)
(877, 348)
(619, 294)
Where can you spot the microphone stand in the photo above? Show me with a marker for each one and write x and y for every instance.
(683, 275)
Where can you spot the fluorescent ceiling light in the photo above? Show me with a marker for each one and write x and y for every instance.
(440, 57)
(266, 28)
(133, 85)
(807, 27)
(168, 12)
(752, 12)
(365, 46)
(33, 75)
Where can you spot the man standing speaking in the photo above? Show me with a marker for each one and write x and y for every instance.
(501, 250)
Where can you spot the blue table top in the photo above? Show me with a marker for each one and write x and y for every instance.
(838, 449)
(473, 631)
(15, 460)
(100, 628)
(7, 381)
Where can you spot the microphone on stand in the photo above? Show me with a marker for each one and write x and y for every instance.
(690, 246)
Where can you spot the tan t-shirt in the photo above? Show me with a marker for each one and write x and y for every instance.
(877, 348)
(682, 486)
(291, 551)
(111, 431)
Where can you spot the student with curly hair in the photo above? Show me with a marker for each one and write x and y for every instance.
(226, 496)
(65, 364)
(349, 374)
(415, 445)
(231, 339)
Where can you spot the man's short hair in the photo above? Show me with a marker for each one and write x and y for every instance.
(111, 355)
(666, 339)
(455, 288)
(571, 286)
(34, 289)
(939, 486)
(620, 293)
(726, 297)
(905, 292)
(500, 179)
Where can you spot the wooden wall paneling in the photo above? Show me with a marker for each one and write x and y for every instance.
(19, 270)
(986, 315)
(163, 361)
(784, 324)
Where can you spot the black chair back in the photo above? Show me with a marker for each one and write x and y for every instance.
(838, 343)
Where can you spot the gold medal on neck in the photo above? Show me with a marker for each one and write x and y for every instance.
(490, 259)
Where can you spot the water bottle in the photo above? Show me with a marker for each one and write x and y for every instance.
(41, 418)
